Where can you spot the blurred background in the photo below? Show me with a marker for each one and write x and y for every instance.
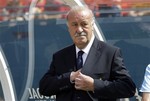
(48, 9)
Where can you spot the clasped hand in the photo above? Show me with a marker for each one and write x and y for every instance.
(81, 81)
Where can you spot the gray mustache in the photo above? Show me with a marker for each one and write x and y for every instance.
(80, 34)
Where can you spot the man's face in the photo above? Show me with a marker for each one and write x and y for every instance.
(80, 26)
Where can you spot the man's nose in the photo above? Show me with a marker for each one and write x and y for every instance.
(79, 29)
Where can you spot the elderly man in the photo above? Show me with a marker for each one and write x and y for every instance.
(89, 69)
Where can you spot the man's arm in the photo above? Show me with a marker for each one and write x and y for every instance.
(146, 96)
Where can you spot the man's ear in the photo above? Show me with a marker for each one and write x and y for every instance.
(67, 24)
(93, 22)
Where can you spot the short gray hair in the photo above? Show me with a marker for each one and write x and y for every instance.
(80, 8)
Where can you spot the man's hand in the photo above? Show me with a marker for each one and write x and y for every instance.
(84, 82)
(74, 75)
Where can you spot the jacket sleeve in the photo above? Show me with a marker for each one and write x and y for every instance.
(52, 82)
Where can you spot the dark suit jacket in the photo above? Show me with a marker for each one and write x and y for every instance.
(104, 63)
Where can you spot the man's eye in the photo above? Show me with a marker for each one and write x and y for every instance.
(74, 24)
(84, 24)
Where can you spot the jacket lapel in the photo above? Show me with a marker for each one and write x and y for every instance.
(71, 58)
(93, 57)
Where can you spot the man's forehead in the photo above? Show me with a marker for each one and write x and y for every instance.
(80, 15)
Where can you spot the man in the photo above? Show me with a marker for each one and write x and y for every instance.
(145, 89)
(102, 77)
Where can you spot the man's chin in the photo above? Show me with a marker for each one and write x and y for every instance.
(81, 44)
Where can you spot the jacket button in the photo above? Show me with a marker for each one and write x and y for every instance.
(78, 98)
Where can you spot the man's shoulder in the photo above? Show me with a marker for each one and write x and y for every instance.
(65, 50)
(107, 45)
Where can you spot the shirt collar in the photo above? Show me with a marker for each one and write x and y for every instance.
(87, 48)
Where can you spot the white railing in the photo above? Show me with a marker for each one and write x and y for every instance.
(6, 79)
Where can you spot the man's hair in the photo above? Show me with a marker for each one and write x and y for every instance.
(80, 8)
